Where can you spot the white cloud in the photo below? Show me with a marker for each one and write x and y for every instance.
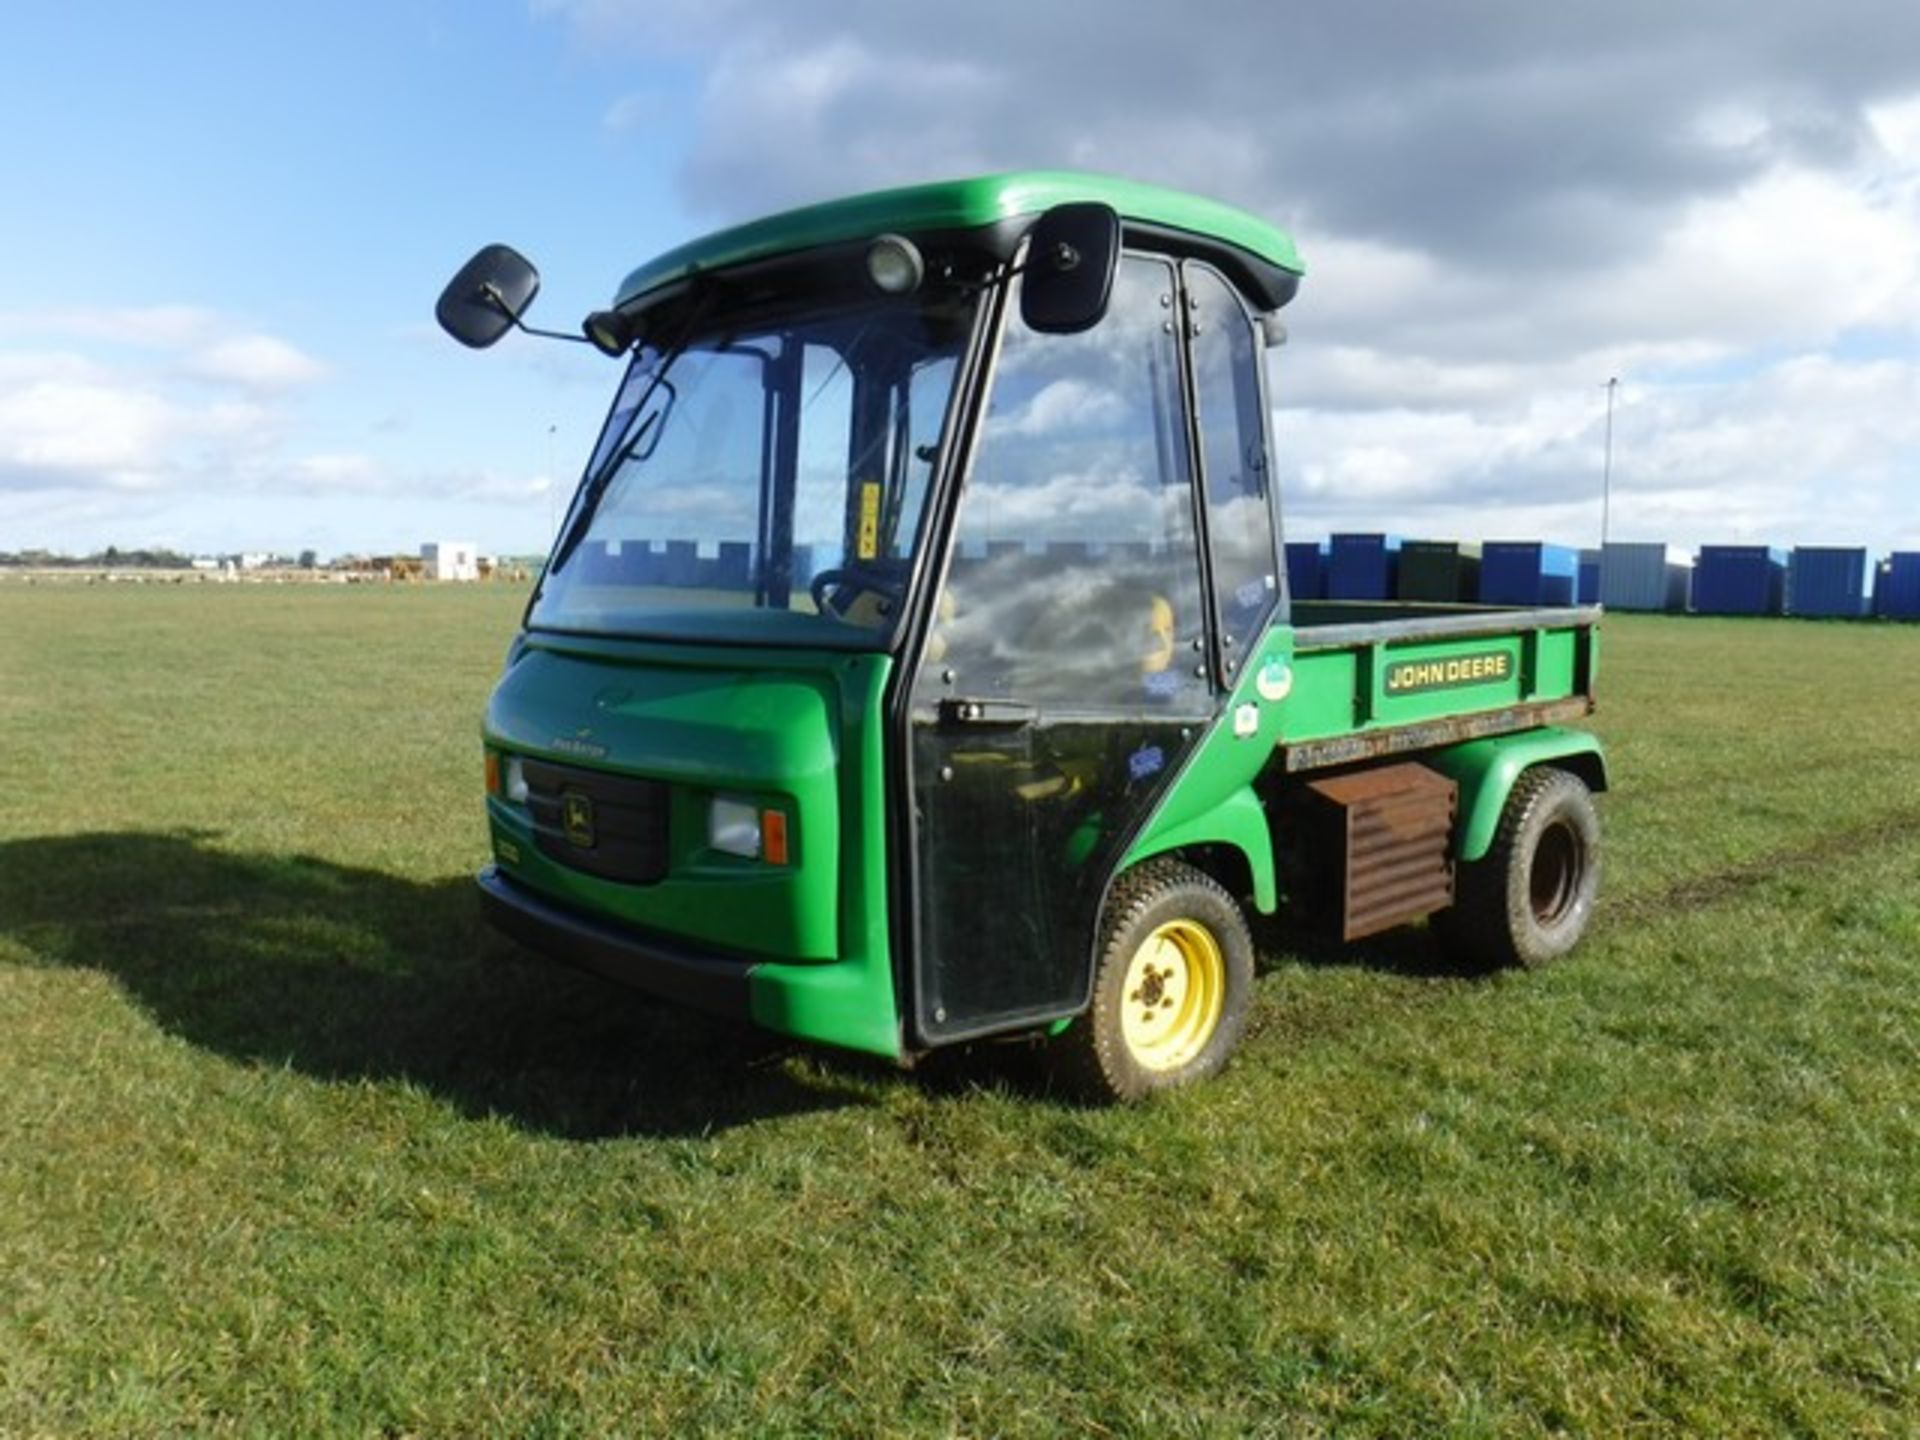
(336, 473)
(257, 362)
(160, 327)
(53, 428)
(107, 411)
(1809, 450)
(1069, 406)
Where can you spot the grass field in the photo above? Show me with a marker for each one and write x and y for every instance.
(289, 1146)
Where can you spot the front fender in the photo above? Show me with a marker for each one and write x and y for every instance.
(1238, 822)
(1485, 771)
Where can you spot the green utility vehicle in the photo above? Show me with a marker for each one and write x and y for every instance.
(916, 663)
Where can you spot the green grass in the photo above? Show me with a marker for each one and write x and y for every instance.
(289, 1145)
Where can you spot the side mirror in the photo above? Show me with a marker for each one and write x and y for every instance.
(488, 296)
(1072, 252)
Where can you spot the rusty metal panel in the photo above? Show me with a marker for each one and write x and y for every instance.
(1429, 734)
(1391, 828)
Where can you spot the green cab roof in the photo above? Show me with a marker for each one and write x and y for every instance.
(959, 205)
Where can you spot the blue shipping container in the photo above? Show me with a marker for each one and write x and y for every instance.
(1528, 572)
(1306, 570)
(1361, 567)
(1739, 580)
(1827, 582)
(1638, 575)
(1588, 590)
(1897, 596)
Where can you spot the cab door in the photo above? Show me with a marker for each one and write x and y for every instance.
(1066, 673)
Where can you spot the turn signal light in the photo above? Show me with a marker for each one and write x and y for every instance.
(773, 836)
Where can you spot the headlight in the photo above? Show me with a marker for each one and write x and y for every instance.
(513, 782)
(753, 832)
(734, 826)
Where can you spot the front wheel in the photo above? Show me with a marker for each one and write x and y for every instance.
(1171, 985)
(1529, 899)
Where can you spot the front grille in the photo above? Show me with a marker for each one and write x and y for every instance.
(613, 826)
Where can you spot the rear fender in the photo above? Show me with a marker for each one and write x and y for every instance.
(1485, 770)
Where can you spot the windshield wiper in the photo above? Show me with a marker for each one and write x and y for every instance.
(595, 488)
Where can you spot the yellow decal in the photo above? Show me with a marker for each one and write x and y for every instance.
(868, 544)
(1408, 676)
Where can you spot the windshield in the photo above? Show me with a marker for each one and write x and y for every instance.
(769, 487)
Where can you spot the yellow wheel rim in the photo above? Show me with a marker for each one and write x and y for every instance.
(1174, 995)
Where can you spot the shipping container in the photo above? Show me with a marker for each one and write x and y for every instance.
(1587, 588)
(1739, 580)
(1362, 567)
(1528, 572)
(1828, 582)
(1643, 576)
(1307, 569)
(1438, 570)
(1897, 596)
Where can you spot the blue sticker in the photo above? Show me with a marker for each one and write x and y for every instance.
(1147, 760)
(1163, 684)
(1253, 593)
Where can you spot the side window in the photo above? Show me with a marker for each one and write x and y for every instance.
(1074, 580)
(1233, 458)
(821, 467)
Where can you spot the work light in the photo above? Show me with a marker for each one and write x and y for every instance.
(609, 330)
(894, 265)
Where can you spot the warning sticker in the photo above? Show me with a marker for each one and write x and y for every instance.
(867, 545)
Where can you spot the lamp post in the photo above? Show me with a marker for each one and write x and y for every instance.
(553, 520)
(1606, 472)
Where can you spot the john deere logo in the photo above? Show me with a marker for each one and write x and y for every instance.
(576, 818)
(1408, 676)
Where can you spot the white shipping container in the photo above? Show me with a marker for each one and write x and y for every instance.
(451, 559)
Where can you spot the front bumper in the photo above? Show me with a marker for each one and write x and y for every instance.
(662, 966)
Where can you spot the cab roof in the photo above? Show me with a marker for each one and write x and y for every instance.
(987, 203)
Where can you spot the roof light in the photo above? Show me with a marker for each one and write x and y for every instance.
(894, 265)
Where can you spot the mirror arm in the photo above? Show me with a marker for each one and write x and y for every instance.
(1063, 259)
(492, 294)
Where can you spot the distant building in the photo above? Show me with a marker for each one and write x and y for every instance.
(451, 560)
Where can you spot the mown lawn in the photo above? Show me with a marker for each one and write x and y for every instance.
(288, 1145)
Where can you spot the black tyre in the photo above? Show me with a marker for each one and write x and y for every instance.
(1530, 898)
(1172, 982)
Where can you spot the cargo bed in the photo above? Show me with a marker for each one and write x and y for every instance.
(1378, 680)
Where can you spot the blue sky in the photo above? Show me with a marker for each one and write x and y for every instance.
(226, 225)
(314, 176)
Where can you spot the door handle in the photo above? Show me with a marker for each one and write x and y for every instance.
(961, 711)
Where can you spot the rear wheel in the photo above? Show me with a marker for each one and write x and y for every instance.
(1530, 898)
(1171, 985)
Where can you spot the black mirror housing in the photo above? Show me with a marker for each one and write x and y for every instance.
(488, 296)
(1072, 252)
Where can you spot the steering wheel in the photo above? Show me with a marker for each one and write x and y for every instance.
(836, 590)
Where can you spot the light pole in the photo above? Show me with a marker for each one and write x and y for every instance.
(1606, 472)
(553, 521)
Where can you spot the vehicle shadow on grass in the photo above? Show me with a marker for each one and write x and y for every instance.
(349, 974)
(1408, 951)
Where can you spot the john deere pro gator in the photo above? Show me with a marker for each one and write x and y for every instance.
(916, 661)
